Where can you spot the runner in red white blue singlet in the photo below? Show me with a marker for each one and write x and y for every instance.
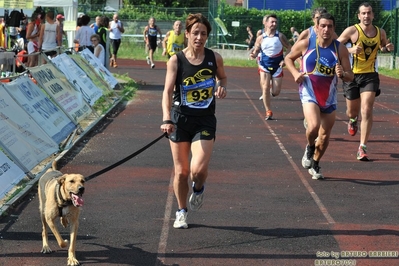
(320, 83)
(324, 61)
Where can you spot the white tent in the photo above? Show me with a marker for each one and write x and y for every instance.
(70, 12)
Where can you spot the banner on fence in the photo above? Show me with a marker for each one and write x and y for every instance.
(91, 73)
(10, 175)
(73, 102)
(99, 67)
(21, 135)
(35, 102)
(77, 77)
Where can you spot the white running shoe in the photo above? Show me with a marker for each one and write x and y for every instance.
(181, 220)
(315, 172)
(152, 65)
(261, 97)
(196, 199)
(148, 60)
(307, 157)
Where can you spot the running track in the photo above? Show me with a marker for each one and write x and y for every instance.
(261, 207)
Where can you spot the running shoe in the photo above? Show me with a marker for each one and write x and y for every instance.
(181, 219)
(308, 157)
(269, 115)
(261, 97)
(148, 60)
(196, 199)
(352, 126)
(152, 65)
(315, 172)
(362, 153)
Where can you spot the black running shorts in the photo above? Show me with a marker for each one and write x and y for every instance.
(192, 128)
(361, 83)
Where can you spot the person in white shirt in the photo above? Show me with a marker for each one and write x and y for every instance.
(84, 33)
(50, 35)
(115, 35)
(99, 50)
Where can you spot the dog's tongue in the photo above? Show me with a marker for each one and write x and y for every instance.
(77, 200)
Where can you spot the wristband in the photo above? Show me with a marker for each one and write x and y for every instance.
(168, 122)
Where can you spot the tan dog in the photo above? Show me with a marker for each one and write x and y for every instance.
(60, 195)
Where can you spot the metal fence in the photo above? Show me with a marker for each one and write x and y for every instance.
(235, 19)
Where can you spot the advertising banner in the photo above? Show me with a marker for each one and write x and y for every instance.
(21, 135)
(96, 78)
(10, 175)
(72, 101)
(77, 77)
(36, 103)
(99, 67)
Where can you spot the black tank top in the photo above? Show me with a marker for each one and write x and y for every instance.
(195, 85)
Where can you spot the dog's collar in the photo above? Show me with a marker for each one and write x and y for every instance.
(60, 201)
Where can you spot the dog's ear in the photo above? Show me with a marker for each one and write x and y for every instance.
(61, 180)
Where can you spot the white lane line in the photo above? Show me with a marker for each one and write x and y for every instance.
(309, 188)
(163, 240)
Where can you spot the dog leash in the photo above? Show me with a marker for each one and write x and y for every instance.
(127, 158)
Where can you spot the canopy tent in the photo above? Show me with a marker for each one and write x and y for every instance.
(70, 12)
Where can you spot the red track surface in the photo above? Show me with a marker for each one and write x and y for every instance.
(261, 207)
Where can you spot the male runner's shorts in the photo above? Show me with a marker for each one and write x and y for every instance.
(192, 128)
(275, 72)
(361, 83)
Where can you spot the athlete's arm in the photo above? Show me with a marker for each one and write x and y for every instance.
(350, 34)
(256, 49)
(285, 43)
(164, 43)
(170, 78)
(296, 52)
(221, 77)
(344, 69)
(304, 35)
(386, 45)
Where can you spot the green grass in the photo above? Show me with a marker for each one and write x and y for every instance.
(136, 51)
(393, 73)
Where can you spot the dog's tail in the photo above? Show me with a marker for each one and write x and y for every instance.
(54, 165)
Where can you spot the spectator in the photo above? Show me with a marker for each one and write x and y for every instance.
(295, 35)
(32, 35)
(96, 24)
(99, 50)
(116, 29)
(83, 34)
(22, 28)
(2, 34)
(50, 35)
(60, 21)
(251, 38)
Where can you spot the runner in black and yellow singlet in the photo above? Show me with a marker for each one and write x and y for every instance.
(366, 40)
(195, 78)
(174, 40)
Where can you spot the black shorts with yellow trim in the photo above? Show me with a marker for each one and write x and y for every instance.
(192, 128)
